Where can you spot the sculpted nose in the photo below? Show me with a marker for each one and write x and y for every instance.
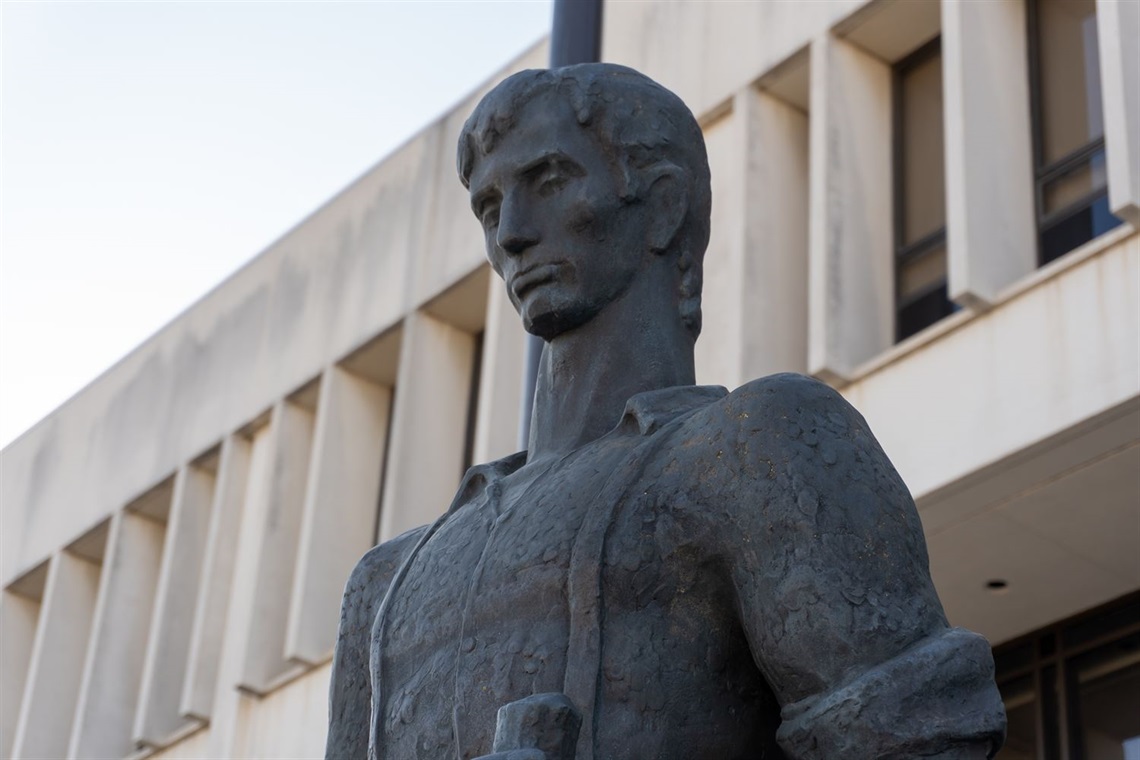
(515, 233)
(516, 240)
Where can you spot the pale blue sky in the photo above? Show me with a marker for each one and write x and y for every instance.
(151, 148)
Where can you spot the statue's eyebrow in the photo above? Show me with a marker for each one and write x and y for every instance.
(481, 196)
(550, 157)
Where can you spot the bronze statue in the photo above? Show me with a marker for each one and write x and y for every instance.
(669, 571)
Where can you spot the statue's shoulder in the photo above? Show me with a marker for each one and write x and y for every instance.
(367, 585)
(372, 575)
(777, 407)
(369, 580)
(779, 440)
(350, 685)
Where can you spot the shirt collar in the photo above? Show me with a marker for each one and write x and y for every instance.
(645, 414)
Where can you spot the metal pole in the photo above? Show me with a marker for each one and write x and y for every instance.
(575, 37)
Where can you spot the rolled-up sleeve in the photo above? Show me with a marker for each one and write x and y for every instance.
(936, 699)
(829, 565)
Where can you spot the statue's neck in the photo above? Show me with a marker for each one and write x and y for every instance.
(636, 344)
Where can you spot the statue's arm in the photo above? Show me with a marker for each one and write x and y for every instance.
(829, 562)
(350, 689)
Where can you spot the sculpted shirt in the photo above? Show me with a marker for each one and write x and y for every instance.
(721, 576)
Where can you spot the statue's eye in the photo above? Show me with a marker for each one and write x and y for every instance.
(486, 209)
(551, 183)
(550, 176)
(489, 215)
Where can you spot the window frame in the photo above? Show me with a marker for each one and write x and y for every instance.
(905, 253)
(1051, 655)
(1044, 174)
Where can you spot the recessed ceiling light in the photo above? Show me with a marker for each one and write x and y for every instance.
(997, 586)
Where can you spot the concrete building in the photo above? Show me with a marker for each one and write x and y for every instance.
(932, 205)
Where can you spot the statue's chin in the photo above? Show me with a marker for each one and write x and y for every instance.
(549, 323)
(546, 325)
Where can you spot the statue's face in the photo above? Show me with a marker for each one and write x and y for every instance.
(556, 230)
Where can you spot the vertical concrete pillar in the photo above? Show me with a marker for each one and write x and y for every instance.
(991, 229)
(56, 667)
(755, 275)
(340, 508)
(240, 613)
(504, 345)
(1118, 30)
(850, 267)
(209, 627)
(428, 423)
(108, 696)
(283, 495)
(158, 720)
(718, 361)
(19, 613)
(776, 235)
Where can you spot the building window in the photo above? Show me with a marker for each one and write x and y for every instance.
(1068, 118)
(920, 193)
(1072, 690)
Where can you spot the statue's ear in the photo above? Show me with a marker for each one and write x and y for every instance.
(668, 201)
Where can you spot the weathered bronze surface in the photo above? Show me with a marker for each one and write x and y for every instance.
(669, 571)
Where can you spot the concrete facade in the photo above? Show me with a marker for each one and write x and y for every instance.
(176, 536)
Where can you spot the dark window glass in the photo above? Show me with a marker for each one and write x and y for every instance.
(383, 465)
(1072, 690)
(924, 176)
(1072, 205)
(473, 404)
(1012, 659)
(1073, 186)
(1020, 698)
(1099, 625)
(920, 193)
(1050, 712)
(1069, 76)
(1063, 234)
(1107, 701)
(922, 298)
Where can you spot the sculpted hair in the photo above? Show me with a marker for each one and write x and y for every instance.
(633, 118)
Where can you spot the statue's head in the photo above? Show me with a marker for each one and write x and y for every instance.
(583, 177)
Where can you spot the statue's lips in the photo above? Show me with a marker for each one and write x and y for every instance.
(531, 277)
